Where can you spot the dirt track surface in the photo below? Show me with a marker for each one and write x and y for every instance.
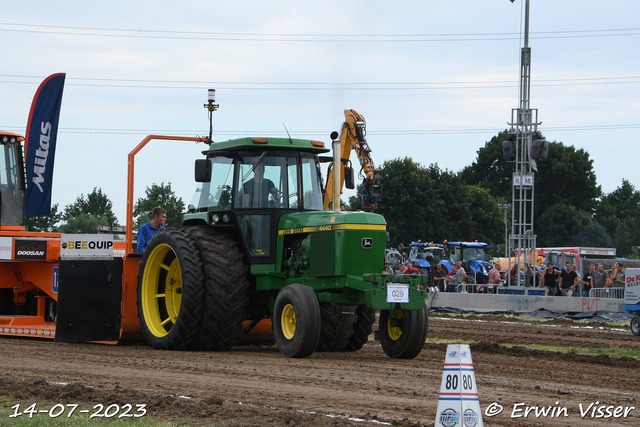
(256, 385)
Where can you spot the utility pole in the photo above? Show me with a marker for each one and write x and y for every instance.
(524, 126)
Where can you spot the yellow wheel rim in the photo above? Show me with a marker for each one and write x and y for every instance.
(395, 331)
(161, 290)
(288, 321)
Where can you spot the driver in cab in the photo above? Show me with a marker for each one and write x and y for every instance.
(256, 191)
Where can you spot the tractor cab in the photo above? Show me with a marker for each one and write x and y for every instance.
(248, 184)
(12, 188)
(473, 257)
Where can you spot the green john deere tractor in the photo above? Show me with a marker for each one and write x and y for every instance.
(257, 244)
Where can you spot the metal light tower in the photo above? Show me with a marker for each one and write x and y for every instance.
(524, 125)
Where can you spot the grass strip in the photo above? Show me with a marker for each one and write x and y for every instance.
(595, 351)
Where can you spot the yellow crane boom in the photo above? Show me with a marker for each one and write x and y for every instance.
(352, 137)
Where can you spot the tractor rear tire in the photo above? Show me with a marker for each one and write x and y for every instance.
(406, 340)
(226, 282)
(336, 328)
(297, 320)
(635, 325)
(170, 290)
(362, 328)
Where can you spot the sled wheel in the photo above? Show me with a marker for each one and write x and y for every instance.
(336, 328)
(361, 329)
(170, 290)
(226, 282)
(635, 325)
(404, 336)
(296, 320)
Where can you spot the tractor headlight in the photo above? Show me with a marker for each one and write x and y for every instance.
(215, 218)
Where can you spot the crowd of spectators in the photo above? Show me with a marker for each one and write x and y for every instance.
(566, 282)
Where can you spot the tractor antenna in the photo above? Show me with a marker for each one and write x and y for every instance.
(287, 130)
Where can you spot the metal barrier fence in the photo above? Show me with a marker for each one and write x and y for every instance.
(616, 293)
(467, 288)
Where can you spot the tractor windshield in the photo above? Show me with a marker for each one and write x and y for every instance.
(471, 254)
(438, 253)
(267, 182)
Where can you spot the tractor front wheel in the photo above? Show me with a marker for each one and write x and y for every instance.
(403, 337)
(296, 320)
(635, 325)
(170, 290)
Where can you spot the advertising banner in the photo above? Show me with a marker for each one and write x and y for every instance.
(30, 249)
(40, 144)
(86, 245)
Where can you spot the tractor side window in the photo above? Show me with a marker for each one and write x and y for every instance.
(455, 255)
(311, 185)
(414, 252)
(216, 194)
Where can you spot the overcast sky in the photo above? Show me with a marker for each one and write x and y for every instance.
(434, 80)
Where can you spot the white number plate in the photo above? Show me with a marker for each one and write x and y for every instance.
(397, 293)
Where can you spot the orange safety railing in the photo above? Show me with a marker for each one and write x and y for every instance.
(130, 176)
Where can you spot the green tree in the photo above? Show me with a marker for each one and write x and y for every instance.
(617, 206)
(627, 237)
(433, 205)
(83, 223)
(566, 225)
(87, 213)
(566, 176)
(45, 223)
(619, 213)
(96, 204)
(163, 196)
(489, 170)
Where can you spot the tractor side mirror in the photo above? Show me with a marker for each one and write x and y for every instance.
(349, 178)
(203, 170)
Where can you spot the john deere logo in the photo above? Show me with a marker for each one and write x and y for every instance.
(367, 243)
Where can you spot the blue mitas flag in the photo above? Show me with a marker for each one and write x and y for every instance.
(40, 144)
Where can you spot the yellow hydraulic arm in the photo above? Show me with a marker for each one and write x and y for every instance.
(352, 136)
